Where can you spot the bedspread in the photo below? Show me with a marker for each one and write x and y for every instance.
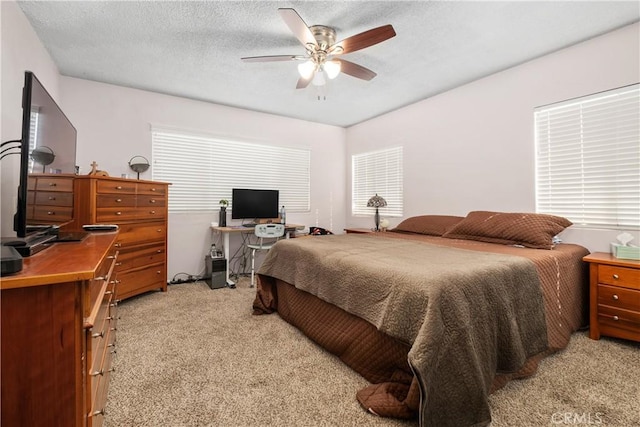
(466, 315)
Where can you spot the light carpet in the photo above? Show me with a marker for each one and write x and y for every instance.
(197, 357)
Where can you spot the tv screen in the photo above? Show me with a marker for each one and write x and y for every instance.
(48, 144)
(254, 204)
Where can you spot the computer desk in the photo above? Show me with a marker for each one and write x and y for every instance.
(226, 231)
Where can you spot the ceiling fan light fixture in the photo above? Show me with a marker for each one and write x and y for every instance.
(332, 69)
(318, 79)
(306, 69)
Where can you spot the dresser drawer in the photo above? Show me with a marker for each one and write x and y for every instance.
(141, 257)
(615, 296)
(51, 198)
(148, 278)
(114, 215)
(64, 184)
(115, 200)
(137, 233)
(619, 276)
(152, 189)
(53, 214)
(116, 187)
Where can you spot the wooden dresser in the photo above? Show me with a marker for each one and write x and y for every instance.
(58, 335)
(614, 297)
(50, 198)
(140, 209)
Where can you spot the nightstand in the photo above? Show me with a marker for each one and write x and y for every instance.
(614, 306)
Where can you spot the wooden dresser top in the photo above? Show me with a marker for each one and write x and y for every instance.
(62, 262)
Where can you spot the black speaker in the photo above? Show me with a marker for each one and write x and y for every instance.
(216, 272)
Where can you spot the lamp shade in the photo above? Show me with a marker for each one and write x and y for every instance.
(332, 68)
(306, 69)
(376, 202)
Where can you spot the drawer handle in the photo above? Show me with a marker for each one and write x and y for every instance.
(158, 272)
(159, 230)
(159, 251)
(118, 264)
(114, 282)
(118, 245)
(616, 318)
(152, 201)
(153, 189)
(96, 413)
(118, 213)
(111, 345)
(96, 373)
(113, 329)
(118, 187)
(51, 198)
(100, 278)
(108, 292)
(118, 200)
(51, 213)
(152, 212)
(52, 184)
(113, 304)
(615, 276)
(111, 257)
(98, 335)
(615, 297)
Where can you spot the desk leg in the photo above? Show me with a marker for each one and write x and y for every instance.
(225, 243)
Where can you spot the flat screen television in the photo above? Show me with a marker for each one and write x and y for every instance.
(48, 145)
(254, 204)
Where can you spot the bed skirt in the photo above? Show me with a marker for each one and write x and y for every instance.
(379, 358)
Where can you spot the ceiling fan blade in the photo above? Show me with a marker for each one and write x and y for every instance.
(355, 70)
(302, 82)
(362, 40)
(273, 58)
(298, 26)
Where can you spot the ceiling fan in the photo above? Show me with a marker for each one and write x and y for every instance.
(323, 53)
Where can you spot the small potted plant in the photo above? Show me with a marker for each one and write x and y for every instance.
(222, 220)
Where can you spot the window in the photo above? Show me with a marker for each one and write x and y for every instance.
(588, 159)
(203, 170)
(377, 172)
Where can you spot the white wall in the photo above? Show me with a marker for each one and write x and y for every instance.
(472, 148)
(21, 51)
(113, 125)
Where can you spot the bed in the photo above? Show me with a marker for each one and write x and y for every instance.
(436, 314)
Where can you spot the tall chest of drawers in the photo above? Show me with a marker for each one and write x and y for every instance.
(614, 297)
(140, 209)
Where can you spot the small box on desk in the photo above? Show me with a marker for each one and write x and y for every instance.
(216, 272)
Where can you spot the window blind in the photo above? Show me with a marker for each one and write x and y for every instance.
(588, 159)
(203, 170)
(377, 172)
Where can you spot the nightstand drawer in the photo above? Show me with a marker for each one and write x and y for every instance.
(618, 317)
(619, 276)
(615, 296)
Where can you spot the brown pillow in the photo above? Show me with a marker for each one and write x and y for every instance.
(526, 229)
(433, 225)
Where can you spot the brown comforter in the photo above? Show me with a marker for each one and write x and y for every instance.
(466, 315)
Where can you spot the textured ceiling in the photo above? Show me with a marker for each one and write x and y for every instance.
(193, 49)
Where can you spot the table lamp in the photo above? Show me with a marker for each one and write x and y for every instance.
(377, 202)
